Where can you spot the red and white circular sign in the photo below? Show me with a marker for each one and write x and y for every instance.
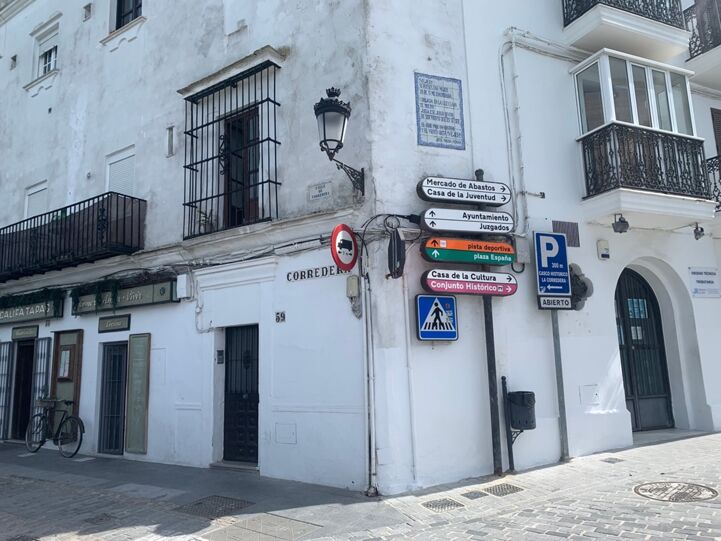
(344, 247)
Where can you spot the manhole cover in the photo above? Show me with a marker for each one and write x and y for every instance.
(612, 460)
(102, 518)
(444, 504)
(502, 489)
(214, 507)
(474, 494)
(675, 492)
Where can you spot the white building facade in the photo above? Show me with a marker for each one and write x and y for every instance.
(165, 258)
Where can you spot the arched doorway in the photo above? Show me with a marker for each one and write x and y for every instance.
(643, 354)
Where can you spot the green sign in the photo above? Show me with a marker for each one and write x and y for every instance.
(132, 296)
(476, 252)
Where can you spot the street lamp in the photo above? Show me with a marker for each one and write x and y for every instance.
(332, 115)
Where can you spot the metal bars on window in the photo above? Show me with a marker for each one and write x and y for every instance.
(41, 373)
(5, 387)
(231, 153)
(703, 20)
(622, 156)
(714, 175)
(664, 11)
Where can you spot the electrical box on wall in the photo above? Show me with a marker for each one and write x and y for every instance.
(604, 252)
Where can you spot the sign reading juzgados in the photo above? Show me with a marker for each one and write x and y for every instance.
(496, 284)
(467, 221)
(477, 252)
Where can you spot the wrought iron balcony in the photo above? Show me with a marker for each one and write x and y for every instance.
(665, 11)
(104, 226)
(703, 20)
(714, 174)
(623, 156)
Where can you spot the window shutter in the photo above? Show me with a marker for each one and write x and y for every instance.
(716, 116)
(121, 176)
(37, 203)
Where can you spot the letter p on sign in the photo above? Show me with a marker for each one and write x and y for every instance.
(549, 249)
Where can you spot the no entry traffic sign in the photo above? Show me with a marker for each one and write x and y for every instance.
(344, 247)
(464, 192)
(467, 221)
(476, 252)
(495, 284)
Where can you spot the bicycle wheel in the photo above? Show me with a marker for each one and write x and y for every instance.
(70, 437)
(35, 433)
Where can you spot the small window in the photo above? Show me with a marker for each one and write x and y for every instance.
(121, 172)
(643, 102)
(13, 62)
(87, 11)
(716, 119)
(47, 59)
(621, 90)
(36, 199)
(663, 109)
(127, 11)
(681, 104)
(590, 98)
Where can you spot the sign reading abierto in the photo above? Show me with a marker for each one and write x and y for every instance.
(476, 252)
(466, 192)
(496, 284)
(439, 112)
(467, 221)
(704, 282)
(553, 276)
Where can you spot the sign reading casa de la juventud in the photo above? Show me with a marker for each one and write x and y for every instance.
(466, 192)
(344, 247)
(476, 252)
(552, 272)
(466, 221)
(495, 284)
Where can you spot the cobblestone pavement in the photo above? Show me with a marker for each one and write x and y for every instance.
(47, 498)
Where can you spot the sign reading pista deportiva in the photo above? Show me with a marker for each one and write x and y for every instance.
(478, 252)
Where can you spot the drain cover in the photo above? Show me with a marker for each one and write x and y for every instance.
(214, 507)
(612, 460)
(444, 504)
(675, 492)
(99, 519)
(502, 489)
(474, 494)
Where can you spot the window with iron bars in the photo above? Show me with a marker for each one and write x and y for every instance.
(231, 153)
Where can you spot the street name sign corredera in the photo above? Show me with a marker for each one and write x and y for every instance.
(465, 192)
(496, 284)
(477, 252)
(467, 221)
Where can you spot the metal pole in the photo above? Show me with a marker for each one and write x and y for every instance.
(509, 434)
(562, 424)
(492, 385)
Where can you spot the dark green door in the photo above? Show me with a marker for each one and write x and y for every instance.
(643, 354)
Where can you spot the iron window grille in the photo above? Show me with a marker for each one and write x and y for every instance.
(103, 226)
(231, 153)
(703, 20)
(714, 175)
(48, 61)
(623, 156)
(664, 11)
(128, 11)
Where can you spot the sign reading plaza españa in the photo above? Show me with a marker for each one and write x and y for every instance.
(494, 284)
(466, 221)
(467, 192)
(476, 252)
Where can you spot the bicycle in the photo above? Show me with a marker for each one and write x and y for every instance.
(68, 436)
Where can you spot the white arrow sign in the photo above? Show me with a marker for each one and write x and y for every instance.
(497, 284)
(465, 192)
(467, 221)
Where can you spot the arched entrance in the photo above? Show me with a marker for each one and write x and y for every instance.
(643, 353)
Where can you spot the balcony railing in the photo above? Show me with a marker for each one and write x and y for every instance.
(703, 20)
(623, 156)
(714, 175)
(664, 11)
(103, 226)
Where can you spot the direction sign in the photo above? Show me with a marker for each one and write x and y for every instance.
(477, 252)
(553, 277)
(496, 284)
(465, 192)
(344, 247)
(466, 221)
(436, 317)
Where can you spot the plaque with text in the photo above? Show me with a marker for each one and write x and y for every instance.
(136, 422)
(439, 112)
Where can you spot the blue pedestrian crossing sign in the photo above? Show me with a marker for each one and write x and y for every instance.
(436, 318)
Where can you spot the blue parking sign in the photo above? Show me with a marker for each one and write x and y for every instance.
(552, 273)
(437, 318)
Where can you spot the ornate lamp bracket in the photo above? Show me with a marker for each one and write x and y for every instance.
(357, 178)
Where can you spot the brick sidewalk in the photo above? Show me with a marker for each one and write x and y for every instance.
(45, 497)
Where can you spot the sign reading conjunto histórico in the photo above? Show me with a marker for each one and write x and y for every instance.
(132, 296)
